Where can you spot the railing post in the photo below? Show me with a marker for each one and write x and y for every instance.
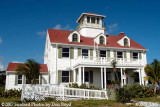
(63, 93)
(84, 94)
(88, 94)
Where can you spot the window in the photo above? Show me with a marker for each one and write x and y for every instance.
(65, 52)
(65, 76)
(75, 37)
(101, 40)
(86, 76)
(92, 19)
(88, 19)
(136, 78)
(102, 53)
(135, 55)
(84, 52)
(19, 79)
(125, 42)
(119, 55)
(97, 20)
(37, 80)
(29, 82)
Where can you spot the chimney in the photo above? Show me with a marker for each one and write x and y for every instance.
(121, 34)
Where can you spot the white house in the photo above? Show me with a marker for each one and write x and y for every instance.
(85, 56)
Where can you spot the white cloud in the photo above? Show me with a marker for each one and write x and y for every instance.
(17, 62)
(111, 28)
(1, 63)
(59, 26)
(1, 40)
(41, 34)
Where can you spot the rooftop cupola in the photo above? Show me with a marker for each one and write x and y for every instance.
(90, 24)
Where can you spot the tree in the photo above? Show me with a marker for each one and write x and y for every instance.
(153, 73)
(31, 69)
(126, 73)
(114, 65)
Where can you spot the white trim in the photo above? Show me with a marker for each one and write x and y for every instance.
(113, 48)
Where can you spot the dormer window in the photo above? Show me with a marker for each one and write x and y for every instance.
(125, 42)
(101, 40)
(75, 37)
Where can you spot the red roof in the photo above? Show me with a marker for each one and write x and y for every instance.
(61, 36)
(12, 67)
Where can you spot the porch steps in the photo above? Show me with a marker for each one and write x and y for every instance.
(111, 94)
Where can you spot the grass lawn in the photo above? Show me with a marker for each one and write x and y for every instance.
(82, 103)
(149, 99)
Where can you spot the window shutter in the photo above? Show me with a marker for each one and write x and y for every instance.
(72, 53)
(108, 53)
(91, 54)
(59, 76)
(131, 55)
(125, 55)
(71, 75)
(140, 55)
(79, 51)
(40, 79)
(60, 52)
(115, 55)
(91, 77)
(16, 79)
(24, 78)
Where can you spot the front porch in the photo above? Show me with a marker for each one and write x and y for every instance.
(101, 77)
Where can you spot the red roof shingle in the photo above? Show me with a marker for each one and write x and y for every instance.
(12, 67)
(61, 36)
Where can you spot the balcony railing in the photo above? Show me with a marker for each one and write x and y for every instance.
(107, 61)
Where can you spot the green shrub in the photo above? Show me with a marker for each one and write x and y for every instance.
(73, 85)
(139, 91)
(123, 95)
(83, 86)
(10, 93)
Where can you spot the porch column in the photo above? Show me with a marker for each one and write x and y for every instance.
(140, 80)
(83, 75)
(80, 76)
(121, 77)
(74, 72)
(125, 79)
(105, 78)
(102, 78)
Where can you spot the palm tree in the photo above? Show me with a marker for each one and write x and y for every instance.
(114, 65)
(126, 73)
(153, 73)
(31, 69)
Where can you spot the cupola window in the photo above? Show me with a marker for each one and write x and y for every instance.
(92, 19)
(97, 20)
(101, 40)
(88, 19)
(125, 42)
(75, 37)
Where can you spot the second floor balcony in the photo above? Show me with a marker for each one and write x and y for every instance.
(107, 61)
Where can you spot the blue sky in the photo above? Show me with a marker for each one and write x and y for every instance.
(23, 24)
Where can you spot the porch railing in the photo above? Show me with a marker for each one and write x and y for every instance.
(105, 60)
(39, 92)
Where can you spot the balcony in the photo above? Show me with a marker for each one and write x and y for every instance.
(107, 61)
